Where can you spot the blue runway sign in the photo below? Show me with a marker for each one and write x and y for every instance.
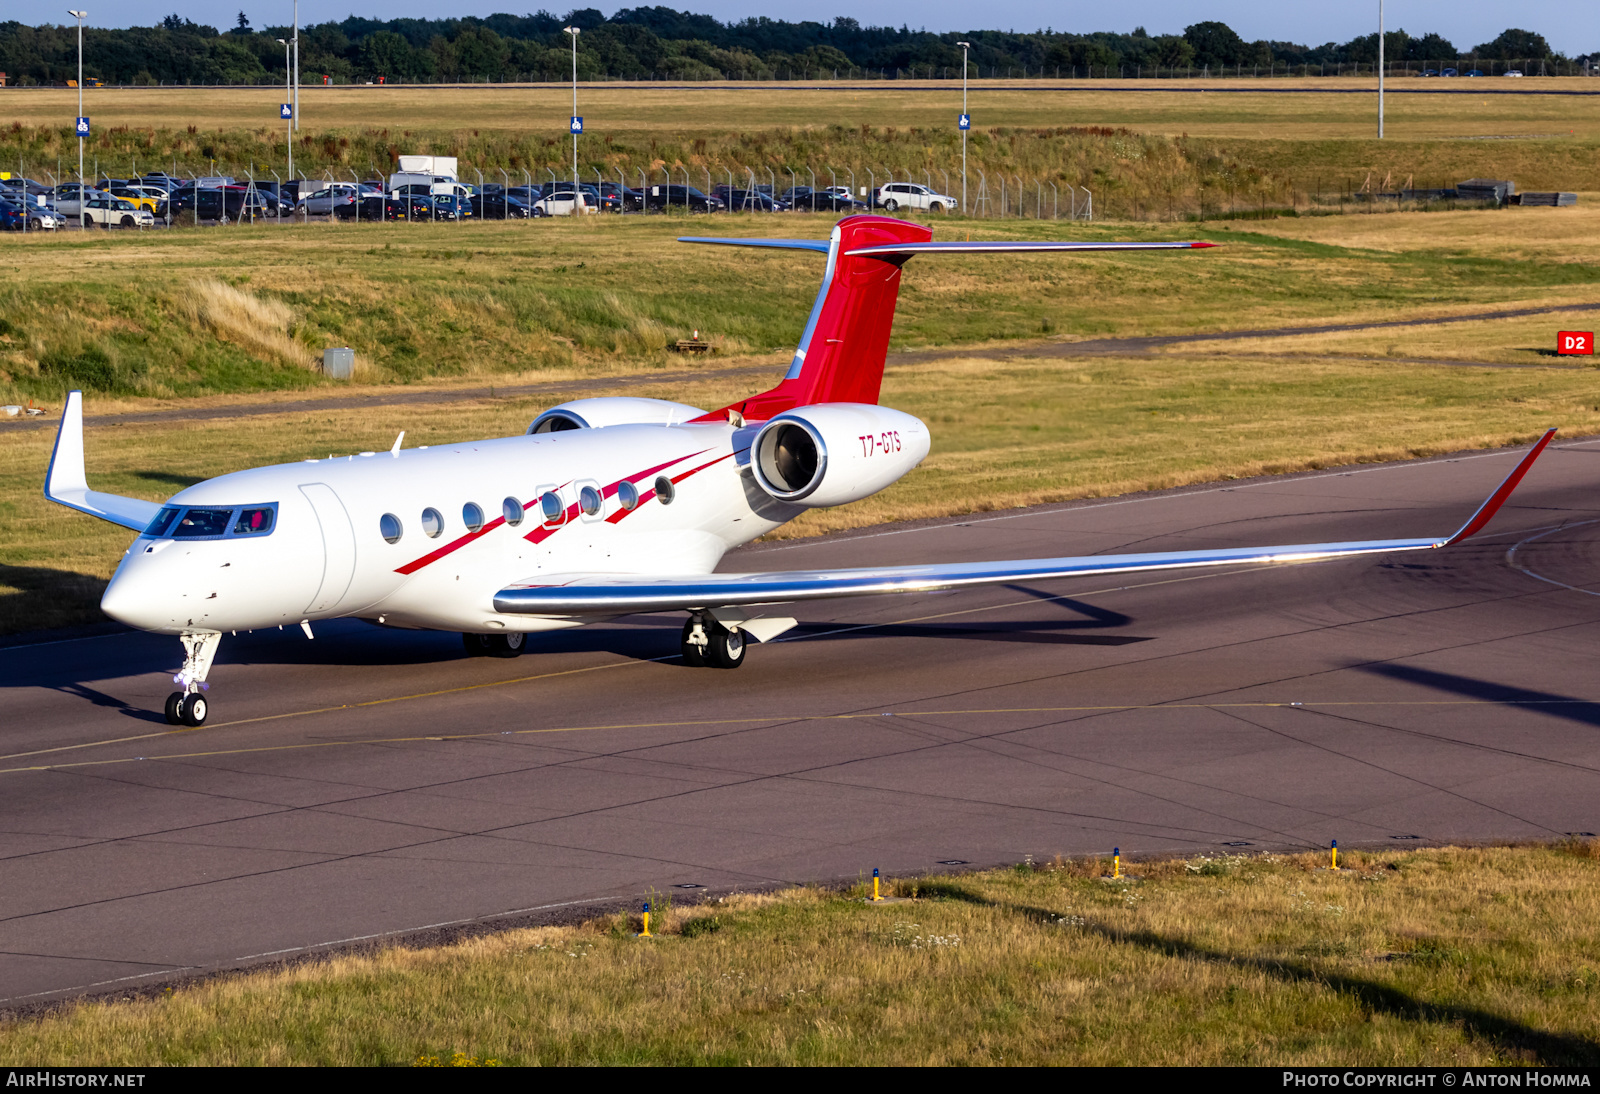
(964, 121)
(577, 125)
(83, 127)
(286, 111)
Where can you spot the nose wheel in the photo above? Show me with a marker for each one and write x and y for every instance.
(189, 707)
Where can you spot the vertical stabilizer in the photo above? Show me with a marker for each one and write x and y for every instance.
(841, 352)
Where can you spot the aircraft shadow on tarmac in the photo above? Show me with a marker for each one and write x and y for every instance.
(1583, 711)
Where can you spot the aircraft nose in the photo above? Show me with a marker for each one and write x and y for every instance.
(131, 598)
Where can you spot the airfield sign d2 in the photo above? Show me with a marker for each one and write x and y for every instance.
(83, 127)
(577, 125)
(964, 121)
(286, 111)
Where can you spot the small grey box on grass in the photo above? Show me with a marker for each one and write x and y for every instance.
(339, 363)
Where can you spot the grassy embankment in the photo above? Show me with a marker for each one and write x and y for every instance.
(1442, 957)
(1007, 430)
(1156, 154)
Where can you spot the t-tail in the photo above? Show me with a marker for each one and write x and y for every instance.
(841, 353)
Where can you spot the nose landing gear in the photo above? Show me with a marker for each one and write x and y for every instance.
(189, 707)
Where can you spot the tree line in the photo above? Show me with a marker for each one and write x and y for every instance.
(660, 43)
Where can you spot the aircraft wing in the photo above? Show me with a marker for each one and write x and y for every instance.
(622, 594)
(66, 483)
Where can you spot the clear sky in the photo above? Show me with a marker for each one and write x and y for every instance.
(1571, 26)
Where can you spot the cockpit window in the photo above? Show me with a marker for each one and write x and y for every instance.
(158, 527)
(253, 522)
(211, 523)
(202, 522)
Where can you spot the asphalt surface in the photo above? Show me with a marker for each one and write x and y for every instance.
(374, 784)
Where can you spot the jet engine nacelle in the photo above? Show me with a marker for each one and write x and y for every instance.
(833, 453)
(612, 410)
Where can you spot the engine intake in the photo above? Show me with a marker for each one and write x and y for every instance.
(835, 453)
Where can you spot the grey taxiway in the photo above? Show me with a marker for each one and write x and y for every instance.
(374, 784)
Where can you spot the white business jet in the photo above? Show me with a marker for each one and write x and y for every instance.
(603, 508)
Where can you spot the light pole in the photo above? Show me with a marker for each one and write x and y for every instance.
(577, 124)
(294, 100)
(1380, 70)
(79, 124)
(966, 123)
(288, 125)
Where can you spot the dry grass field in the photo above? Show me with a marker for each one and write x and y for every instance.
(1446, 957)
(1321, 109)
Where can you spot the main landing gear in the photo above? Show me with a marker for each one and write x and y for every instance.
(189, 707)
(504, 644)
(707, 642)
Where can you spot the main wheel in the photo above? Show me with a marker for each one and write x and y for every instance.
(477, 645)
(506, 645)
(175, 709)
(890, 205)
(693, 656)
(726, 650)
(194, 709)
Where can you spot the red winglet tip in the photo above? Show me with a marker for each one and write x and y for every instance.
(1197, 246)
(1489, 508)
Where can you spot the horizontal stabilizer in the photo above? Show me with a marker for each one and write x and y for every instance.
(66, 483)
(619, 594)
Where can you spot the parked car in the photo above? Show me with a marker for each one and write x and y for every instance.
(627, 201)
(15, 216)
(322, 202)
(660, 197)
(1475, 72)
(910, 195)
(69, 197)
(498, 205)
(749, 201)
(1430, 72)
(562, 203)
(1448, 72)
(381, 206)
(106, 210)
(1513, 72)
(145, 198)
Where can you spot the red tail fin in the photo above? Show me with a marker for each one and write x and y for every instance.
(840, 357)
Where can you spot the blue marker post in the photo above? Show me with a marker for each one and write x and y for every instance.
(1116, 862)
(875, 896)
(646, 916)
(1335, 850)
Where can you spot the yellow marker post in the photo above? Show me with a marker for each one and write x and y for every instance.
(875, 897)
(646, 932)
(1335, 852)
(1116, 862)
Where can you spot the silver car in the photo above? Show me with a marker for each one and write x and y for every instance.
(322, 202)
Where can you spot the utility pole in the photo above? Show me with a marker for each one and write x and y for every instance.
(294, 111)
(576, 124)
(80, 126)
(966, 123)
(1380, 70)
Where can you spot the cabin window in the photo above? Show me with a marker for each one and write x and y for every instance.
(432, 523)
(553, 509)
(511, 509)
(628, 495)
(203, 522)
(472, 516)
(589, 500)
(665, 490)
(389, 528)
(255, 521)
(158, 527)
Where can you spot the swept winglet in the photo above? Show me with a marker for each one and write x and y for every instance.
(66, 483)
(1488, 509)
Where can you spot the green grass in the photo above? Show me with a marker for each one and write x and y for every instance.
(128, 314)
(1428, 958)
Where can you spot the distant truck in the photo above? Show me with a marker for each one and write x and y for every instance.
(437, 173)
